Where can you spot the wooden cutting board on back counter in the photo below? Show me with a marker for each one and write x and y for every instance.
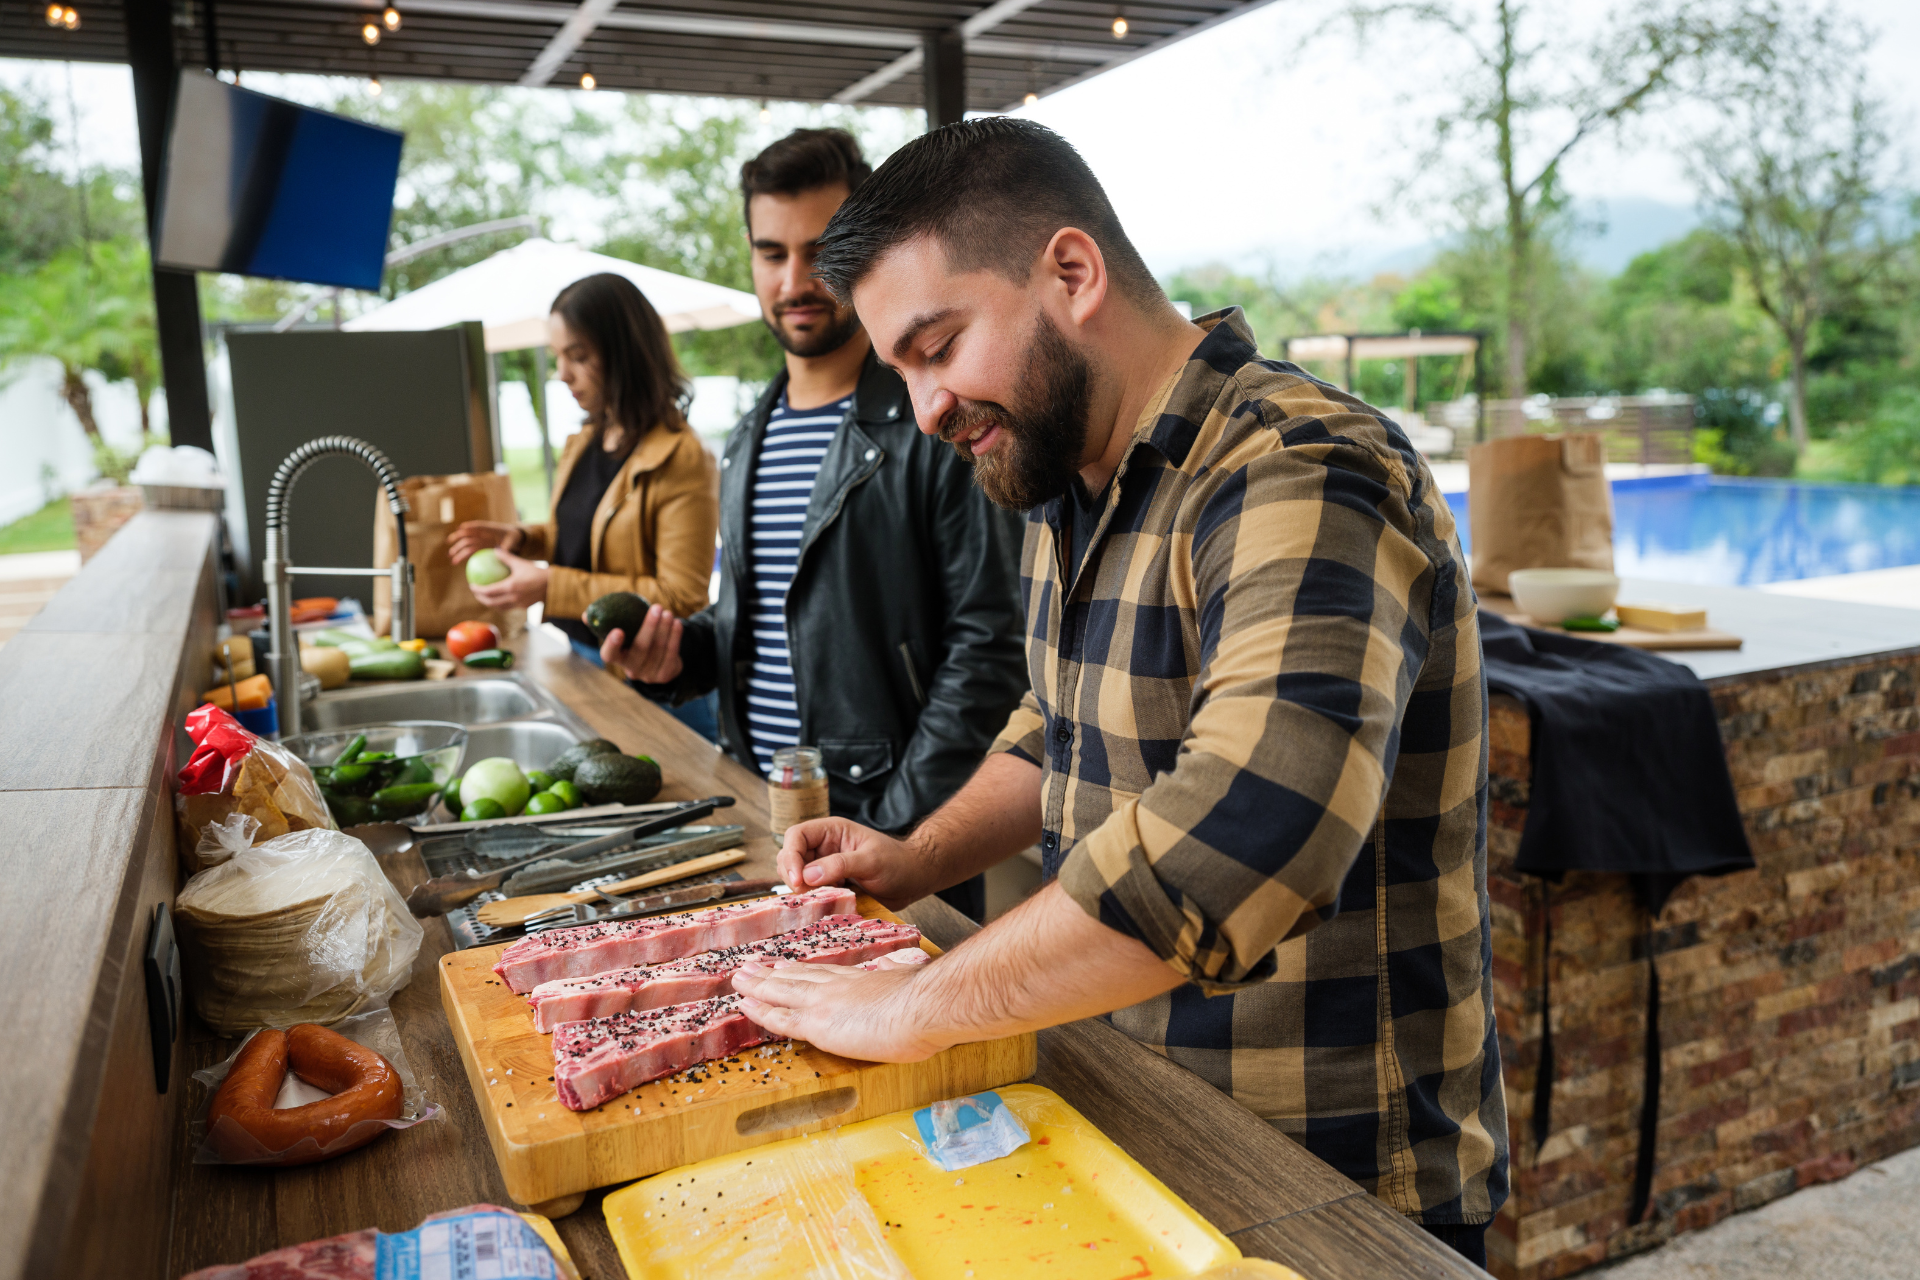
(1632, 637)
(550, 1156)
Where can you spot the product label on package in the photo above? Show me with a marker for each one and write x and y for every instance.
(476, 1246)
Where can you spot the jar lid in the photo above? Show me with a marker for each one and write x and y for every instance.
(796, 758)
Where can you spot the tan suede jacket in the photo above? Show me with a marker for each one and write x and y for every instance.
(653, 532)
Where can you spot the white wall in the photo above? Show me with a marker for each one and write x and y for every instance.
(43, 450)
(717, 404)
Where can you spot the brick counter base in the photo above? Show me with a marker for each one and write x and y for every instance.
(1790, 1011)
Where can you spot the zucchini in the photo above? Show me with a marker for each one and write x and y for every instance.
(388, 664)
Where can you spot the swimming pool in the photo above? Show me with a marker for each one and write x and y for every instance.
(1728, 532)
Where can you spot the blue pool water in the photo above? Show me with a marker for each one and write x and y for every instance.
(1722, 531)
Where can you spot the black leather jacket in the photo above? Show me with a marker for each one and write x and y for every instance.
(904, 618)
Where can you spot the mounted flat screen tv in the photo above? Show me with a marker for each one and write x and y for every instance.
(260, 187)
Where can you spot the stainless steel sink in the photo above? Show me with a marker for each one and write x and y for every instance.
(532, 744)
(505, 715)
(483, 700)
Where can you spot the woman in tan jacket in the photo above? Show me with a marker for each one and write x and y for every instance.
(636, 500)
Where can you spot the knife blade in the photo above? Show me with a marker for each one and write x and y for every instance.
(652, 904)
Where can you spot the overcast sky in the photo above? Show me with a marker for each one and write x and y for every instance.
(1258, 141)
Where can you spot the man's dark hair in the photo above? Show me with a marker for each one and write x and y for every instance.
(804, 160)
(992, 192)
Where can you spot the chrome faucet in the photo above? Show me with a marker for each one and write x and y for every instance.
(283, 659)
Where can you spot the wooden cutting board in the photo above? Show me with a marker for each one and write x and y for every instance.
(550, 1156)
(1642, 637)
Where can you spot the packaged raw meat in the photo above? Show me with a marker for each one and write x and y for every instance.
(479, 1240)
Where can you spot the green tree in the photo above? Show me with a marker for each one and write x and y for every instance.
(89, 309)
(1793, 172)
(1680, 317)
(1527, 92)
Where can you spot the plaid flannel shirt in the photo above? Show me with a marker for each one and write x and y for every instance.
(1261, 720)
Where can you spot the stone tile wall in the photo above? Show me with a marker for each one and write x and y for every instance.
(1790, 1010)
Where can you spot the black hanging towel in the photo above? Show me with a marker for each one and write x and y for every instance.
(1629, 777)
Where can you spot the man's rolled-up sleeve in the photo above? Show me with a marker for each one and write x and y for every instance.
(1024, 735)
(1311, 598)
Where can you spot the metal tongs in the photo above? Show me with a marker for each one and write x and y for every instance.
(442, 894)
(578, 913)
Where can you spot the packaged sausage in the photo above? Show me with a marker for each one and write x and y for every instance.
(481, 1240)
(224, 1139)
(233, 772)
(303, 928)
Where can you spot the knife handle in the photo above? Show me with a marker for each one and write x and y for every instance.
(664, 875)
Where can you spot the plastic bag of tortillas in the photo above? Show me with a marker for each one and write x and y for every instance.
(303, 928)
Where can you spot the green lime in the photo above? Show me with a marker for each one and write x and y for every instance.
(486, 807)
(450, 794)
(545, 802)
(566, 793)
(539, 781)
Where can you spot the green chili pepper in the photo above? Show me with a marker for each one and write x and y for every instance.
(498, 659)
(353, 750)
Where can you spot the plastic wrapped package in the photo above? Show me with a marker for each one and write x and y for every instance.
(234, 772)
(302, 928)
(481, 1240)
(230, 1144)
(796, 1211)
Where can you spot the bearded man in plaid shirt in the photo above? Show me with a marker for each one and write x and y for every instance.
(1254, 754)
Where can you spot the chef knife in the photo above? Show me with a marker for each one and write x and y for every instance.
(649, 905)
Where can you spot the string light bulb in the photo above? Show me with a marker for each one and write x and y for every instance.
(370, 33)
(766, 112)
(392, 18)
(587, 81)
(54, 14)
(60, 15)
(373, 87)
(1030, 99)
(1119, 26)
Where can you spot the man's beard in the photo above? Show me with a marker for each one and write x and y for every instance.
(1043, 438)
(841, 325)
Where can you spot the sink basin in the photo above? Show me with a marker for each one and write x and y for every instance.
(488, 700)
(531, 744)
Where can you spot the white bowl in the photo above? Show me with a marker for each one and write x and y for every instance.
(1554, 595)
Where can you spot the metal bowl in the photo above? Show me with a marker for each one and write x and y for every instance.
(413, 761)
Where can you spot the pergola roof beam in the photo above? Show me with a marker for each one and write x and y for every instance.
(572, 33)
(985, 20)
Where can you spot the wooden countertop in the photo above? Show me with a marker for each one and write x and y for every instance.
(1270, 1196)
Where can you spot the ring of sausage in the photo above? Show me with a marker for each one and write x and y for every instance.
(364, 1086)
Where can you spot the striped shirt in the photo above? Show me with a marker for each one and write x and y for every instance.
(790, 455)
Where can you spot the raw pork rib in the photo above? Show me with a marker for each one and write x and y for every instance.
(847, 939)
(602, 1058)
(624, 944)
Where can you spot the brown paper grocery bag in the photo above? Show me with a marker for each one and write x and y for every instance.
(437, 506)
(1538, 502)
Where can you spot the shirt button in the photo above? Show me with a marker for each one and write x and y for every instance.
(725, 463)
(1049, 841)
(1063, 732)
(855, 770)
(894, 412)
(872, 454)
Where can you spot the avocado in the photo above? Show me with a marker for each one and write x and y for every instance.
(617, 779)
(567, 761)
(618, 610)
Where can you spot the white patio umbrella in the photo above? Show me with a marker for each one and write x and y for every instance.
(511, 292)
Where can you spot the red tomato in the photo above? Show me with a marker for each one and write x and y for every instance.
(471, 637)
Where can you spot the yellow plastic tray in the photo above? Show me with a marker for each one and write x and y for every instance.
(864, 1201)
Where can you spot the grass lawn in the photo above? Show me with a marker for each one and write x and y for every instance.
(529, 483)
(51, 528)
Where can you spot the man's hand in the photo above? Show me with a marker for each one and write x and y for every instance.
(525, 584)
(829, 851)
(473, 535)
(856, 1013)
(654, 657)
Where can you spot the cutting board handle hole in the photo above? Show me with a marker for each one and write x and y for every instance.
(797, 1111)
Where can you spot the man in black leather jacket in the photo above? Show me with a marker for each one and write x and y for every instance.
(903, 619)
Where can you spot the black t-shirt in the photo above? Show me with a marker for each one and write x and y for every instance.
(1082, 511)
(573, 521)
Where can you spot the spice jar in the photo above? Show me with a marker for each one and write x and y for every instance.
(796, 787)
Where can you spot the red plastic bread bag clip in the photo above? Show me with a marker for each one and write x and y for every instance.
(220, 744)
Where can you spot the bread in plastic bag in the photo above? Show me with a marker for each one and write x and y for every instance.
(233, 772)
(302, 928)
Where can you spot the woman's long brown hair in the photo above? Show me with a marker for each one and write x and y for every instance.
(641, 379)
